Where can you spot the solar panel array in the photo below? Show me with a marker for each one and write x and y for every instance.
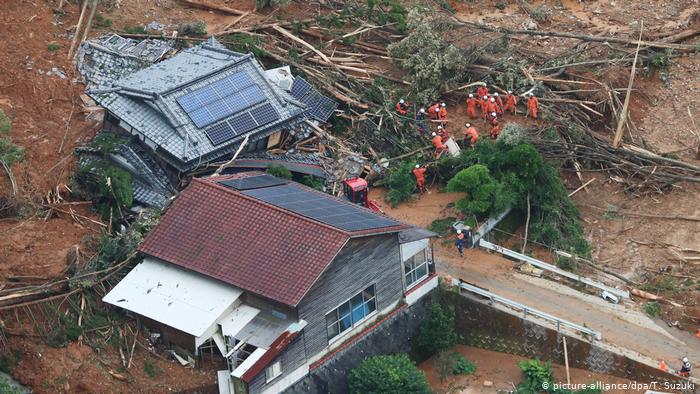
(253, 182)
(241, 123)
(321, 207)
(221, 99)
(319, 106)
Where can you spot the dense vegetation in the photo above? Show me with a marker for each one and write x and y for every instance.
(539, 379)
(388, 374)
(9, 152)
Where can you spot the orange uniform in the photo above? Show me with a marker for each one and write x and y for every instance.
(437, 142)
(443, 113)
(419, 173)
(482, 91)
(495, 130)
(484, 107)
(470, 136)
(491, 108)
(471, 107)
(532, 106)
(510, 104)
(402, 109)
(499, 101)
(432, 114)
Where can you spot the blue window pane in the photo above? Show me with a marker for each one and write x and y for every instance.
(345, 323)
(344, 309)
(370, 307)
(358, 312)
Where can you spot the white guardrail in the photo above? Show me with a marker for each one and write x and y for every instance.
(526, 310)
(549, 267)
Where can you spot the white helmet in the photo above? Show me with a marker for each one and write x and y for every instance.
(509, 92)
(439, 127)
(493, 100)
(401, 101)
(532, 94)
(493, 114)
(433, 134)
(471, 95)
(437, 109)
(443, 105)
(685, 360)
(496, 94)
(422, 110)
(486, 97)
(467, 125)
(459, 231)
(417, 165)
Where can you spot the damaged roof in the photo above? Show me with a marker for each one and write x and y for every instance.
(198, 105)
(262, 234)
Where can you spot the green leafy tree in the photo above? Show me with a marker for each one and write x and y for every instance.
(401, 184)
(486, 196)
(437, 333)
(9, 152)
(279, 172)
(388, 374)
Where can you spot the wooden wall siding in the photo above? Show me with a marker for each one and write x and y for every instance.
(363, 261)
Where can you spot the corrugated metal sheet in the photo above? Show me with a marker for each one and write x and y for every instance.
(181, 299)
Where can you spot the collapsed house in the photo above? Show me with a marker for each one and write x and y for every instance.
(272, 274)
(196, 107)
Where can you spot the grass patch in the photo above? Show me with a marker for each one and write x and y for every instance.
(135, 30)
(101, 22)
(53, 47)
(652, 309)
(667, 285)
(150, 369)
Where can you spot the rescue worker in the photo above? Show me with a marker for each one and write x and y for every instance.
(420, 120)
(482, 91)
(402, 107)
(433, 111)
(484, 107)
(471, 106)
(532, 106)
(419, 173)
(437, 143)
(685, 368)
(495, 128)
(470, 135)
(442, 114)
(460, 243)
(510, 103)
(491, 107)
(442, 132)
(499, 103)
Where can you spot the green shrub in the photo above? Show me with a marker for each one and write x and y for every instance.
(388, 374)
(442, 227)
(53, 47)
(108, 186)
(8, 388)
(387, 11)
(279, 171)
(135, 29)
(401, 183)
(314, 182)
(245, 43)
(462, 366)
(652, 308)
(101, 22)
(9, 152)
(5, 123)
(436, 334)
(192, 29)
(486, 196)
(536, 374)
(150, 369)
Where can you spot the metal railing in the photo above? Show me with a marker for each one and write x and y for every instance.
(526, 310)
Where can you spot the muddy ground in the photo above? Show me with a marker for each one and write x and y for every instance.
(48, 123)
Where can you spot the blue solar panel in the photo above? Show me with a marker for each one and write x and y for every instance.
(242, 123)
(321, 207)
(264, 114)
(318, 106)
(300, 87)
(220, 133)
(221, 99)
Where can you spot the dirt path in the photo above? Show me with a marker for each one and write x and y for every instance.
(621, 325)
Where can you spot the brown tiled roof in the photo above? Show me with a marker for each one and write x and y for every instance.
(258, 247)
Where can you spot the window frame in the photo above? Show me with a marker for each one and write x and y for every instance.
(271, 367)
(414, 268)
(349, 315)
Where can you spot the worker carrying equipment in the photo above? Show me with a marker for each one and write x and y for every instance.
(439, 147)
(460, 243)
(532, 104)
(419, 173)
(471, 106)
(499, 103)
(442, 132)
(442, 114)
(510, 103)
(685, 368)
(402, 107)
(433, 111)
(420, 120)
(470, 135)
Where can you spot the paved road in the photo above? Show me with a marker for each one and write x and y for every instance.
(622, 326)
